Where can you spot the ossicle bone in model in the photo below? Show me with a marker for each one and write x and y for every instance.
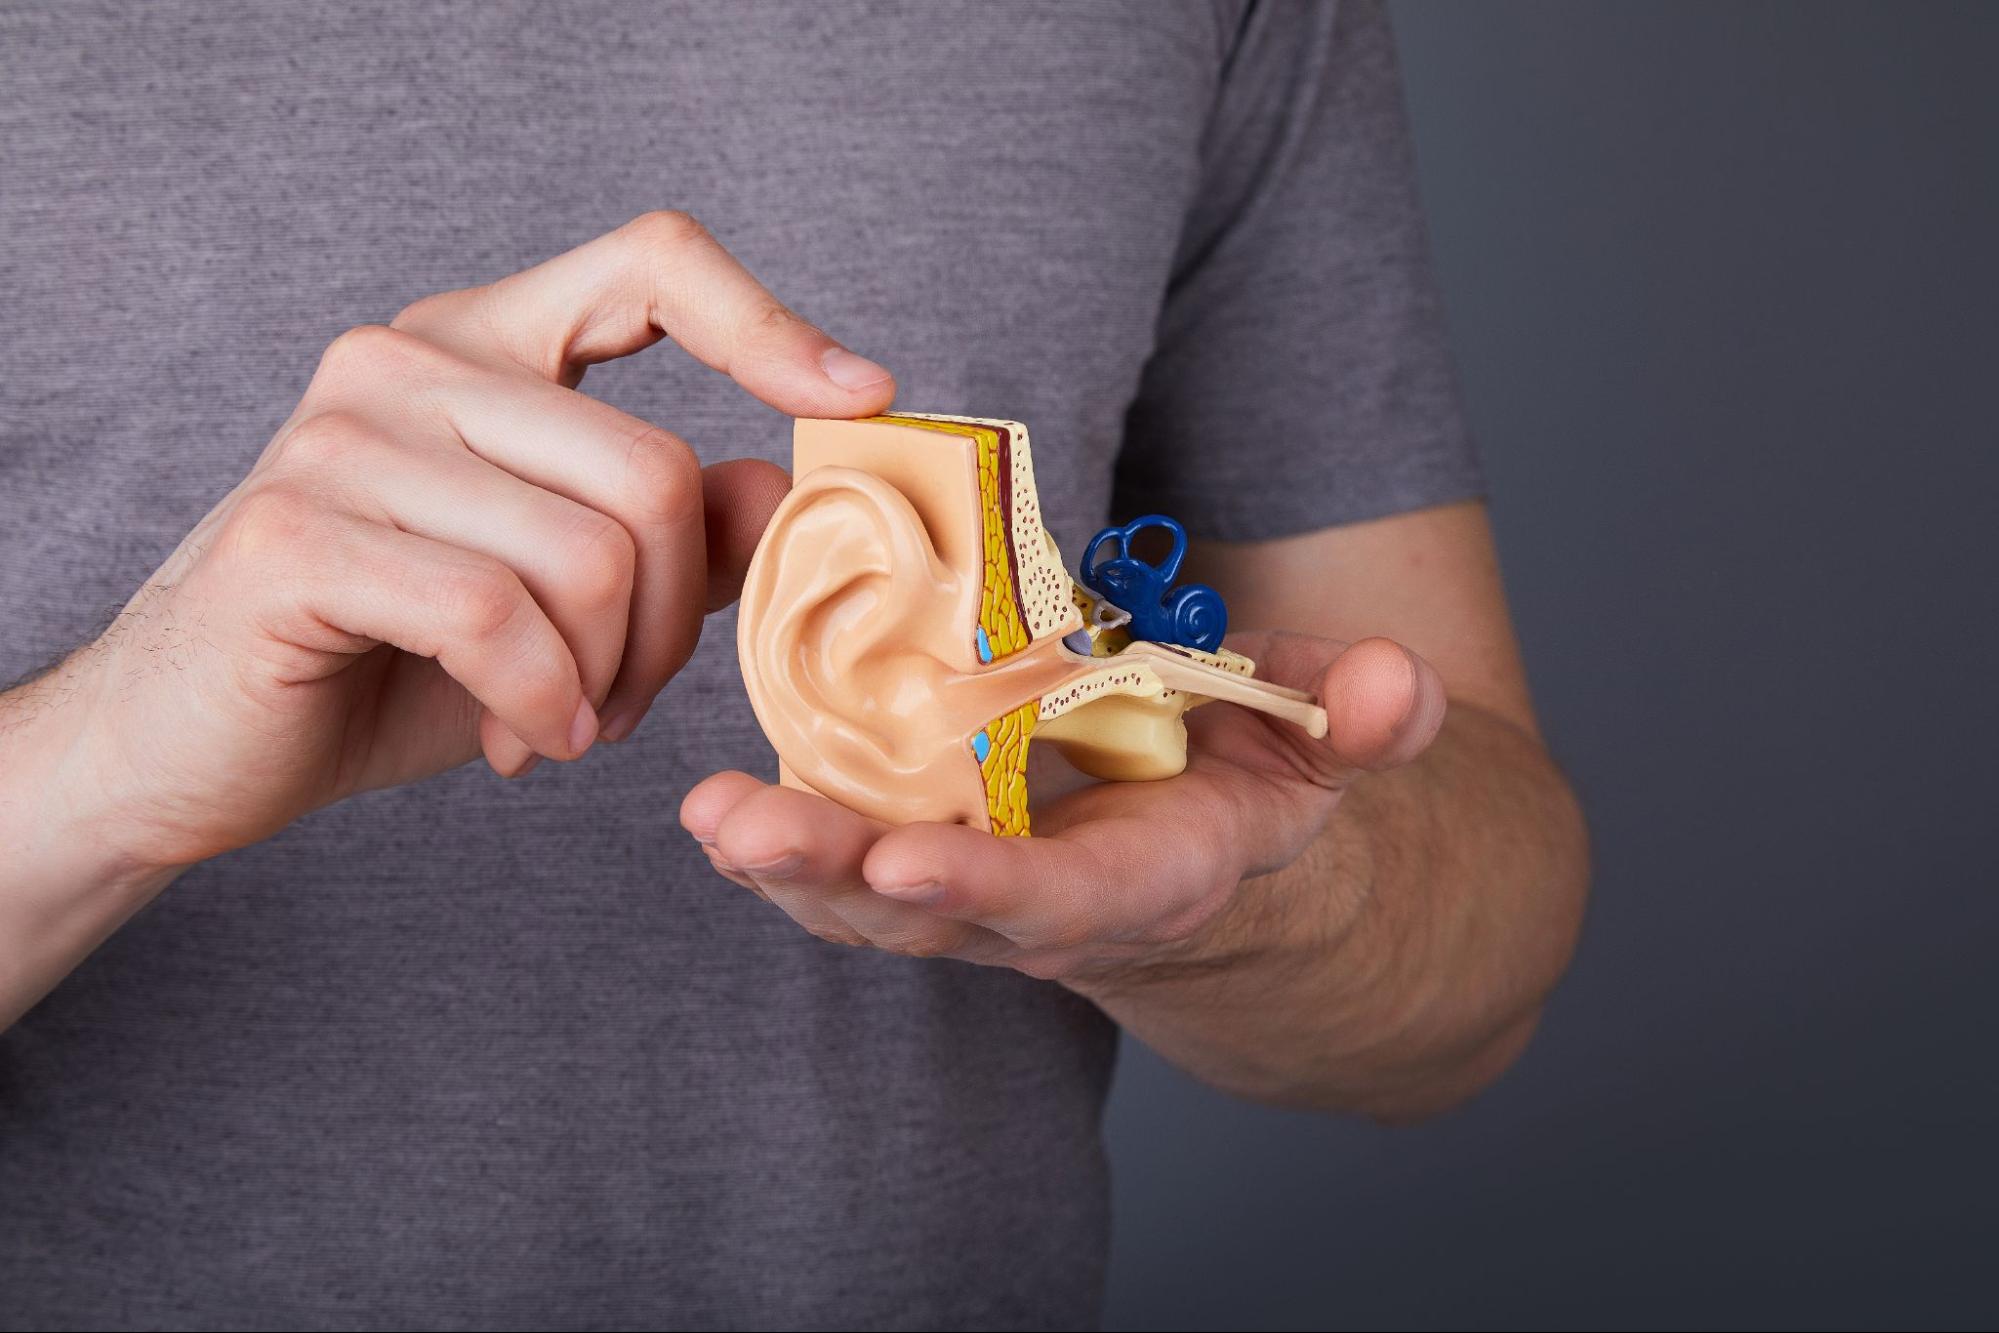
(907, 626)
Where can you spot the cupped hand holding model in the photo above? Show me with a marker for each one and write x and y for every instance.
(445, 550)
(1121, 878)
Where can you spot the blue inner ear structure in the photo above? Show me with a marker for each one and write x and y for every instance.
(1191, 615)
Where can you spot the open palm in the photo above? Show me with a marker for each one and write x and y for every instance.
(1119, 874)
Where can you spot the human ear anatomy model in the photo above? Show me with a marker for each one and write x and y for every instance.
(907, 626)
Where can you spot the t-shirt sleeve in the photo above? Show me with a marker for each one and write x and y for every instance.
(1301, 376)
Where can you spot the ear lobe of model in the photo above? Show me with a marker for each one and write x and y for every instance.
(847, 645)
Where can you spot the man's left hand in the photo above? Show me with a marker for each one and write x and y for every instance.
(1119, 877)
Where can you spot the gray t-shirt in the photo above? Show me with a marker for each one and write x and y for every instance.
(479, 1054)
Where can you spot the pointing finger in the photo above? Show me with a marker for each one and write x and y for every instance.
(661, 275)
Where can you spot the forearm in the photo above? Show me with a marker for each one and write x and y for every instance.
(1397, 966)
(64, 885)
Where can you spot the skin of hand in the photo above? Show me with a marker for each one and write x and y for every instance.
(446, 550)
(1368, 922)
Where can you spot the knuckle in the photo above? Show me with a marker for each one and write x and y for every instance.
(363, 352)
(599, 560)
(663, 477)
(1181, 926)
(479, 599)
(666, 228)
(327, 439)
(425, 311)
(372, 356)
(765, 325)
(273, 517)
(1074, 928)
(769, 315)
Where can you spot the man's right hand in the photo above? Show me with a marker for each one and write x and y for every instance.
(445, 550)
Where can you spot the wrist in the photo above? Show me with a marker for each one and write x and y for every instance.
(60, 803)
(69, 879)
(87, 836)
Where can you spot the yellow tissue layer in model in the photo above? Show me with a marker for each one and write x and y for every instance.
(1005, 770)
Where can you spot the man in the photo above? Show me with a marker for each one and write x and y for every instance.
(316, 1024)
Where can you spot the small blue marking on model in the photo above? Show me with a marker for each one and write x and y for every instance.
(985, 651)
(1078, 641)
(982, 744)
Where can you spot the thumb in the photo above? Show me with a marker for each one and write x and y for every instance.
(737, 500)
(1383, 703)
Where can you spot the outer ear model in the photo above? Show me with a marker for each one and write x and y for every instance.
(857, 661)
(906, 626)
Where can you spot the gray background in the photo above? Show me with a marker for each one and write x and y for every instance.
(1722, 285)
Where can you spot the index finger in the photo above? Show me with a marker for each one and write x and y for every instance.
(660, 275)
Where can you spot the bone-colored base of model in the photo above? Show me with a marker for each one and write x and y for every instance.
(907, 628)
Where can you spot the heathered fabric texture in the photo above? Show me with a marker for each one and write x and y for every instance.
(477, 1054)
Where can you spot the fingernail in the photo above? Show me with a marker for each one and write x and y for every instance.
(621, 725)
(782, 868)
(1415, 689)
(927, 894)
(849, 371)
(583, 728)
